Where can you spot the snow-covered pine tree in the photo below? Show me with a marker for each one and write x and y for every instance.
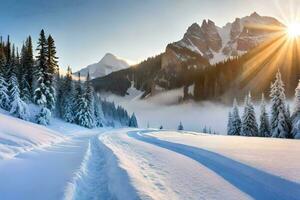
(40, 96)
(85, 113)
(180, 127)
(249, 124)
(295, 118)
(264, 126)
(98, 112)
(44, 116)
(52, 70)
(67, 106)
(236, 120)
(4, 97)
(25, 90)
(133, 121)
(28, 65)
(42, 93)
(229, 124)
(279, 121)
(18, 107)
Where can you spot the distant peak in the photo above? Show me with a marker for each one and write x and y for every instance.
(204, 23)
(109, 55)
(254, 15)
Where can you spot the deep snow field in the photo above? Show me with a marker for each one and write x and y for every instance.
(65, 161)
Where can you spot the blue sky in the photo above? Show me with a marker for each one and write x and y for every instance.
(85, 30)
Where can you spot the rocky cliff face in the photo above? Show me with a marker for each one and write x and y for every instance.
(218, 44)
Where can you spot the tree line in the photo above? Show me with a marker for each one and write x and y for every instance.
(280, 123)
(26, 80)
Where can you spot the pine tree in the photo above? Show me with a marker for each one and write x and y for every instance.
(4, 97)
(236, 120)
(229, 124)
(161, 127)
(28, 65)
(44, 116)
(40, 93)
(180, 127)
(133, 121)
(249, 124)
(98, 112)
(52, 71)
(85, 111)
(68, 99)
(295, 118)
(279, 121)
(264, 127)
(18, 107)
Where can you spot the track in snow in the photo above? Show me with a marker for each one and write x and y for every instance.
(256, 183)
(99, 176)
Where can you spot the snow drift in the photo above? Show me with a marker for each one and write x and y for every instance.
(18, 136)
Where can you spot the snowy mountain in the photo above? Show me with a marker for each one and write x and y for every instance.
(108, 64)
(217, 44)
(211, 61)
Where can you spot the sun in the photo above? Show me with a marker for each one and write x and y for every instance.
(293, 29)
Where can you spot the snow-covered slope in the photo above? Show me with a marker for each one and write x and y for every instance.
(108, 64)
(17, 136)
(185, 165)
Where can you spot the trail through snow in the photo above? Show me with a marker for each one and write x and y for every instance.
(158, 173)
(256, 183)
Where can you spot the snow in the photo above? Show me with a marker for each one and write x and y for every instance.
(43, 173)
(158, 173)
(17, 136)
(279, 157)
(133, 93)
(108, 64)
(151, 164)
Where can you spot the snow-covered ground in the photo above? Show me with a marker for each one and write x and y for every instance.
(149, 164)
(17, 136)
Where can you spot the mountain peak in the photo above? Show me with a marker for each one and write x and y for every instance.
(108, 64)
(254, 14)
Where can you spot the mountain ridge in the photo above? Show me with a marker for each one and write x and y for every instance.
(186, 63)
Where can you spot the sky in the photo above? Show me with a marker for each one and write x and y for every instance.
(84, 30)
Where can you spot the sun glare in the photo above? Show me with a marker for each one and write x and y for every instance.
(293, 29)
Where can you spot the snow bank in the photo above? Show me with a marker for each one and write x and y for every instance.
(17, 136)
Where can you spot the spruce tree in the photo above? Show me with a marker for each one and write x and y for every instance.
(279, 120)
(236, 120)
(98, 112)
(180, 127)
(229, 124)
(28, 65)
(44, 116)
(295, 118)
(68, 102)
(52, 71)
(18, 107)
(85, 105)
(133, 122)
(249, 124)
(40, 93)
(4, 93)
(264, 126)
